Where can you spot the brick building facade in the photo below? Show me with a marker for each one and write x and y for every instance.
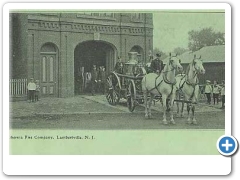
(52, 47)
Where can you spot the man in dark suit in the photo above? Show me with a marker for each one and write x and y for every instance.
(94, 78)
(102, 79)
(119, 66)
(157, 64)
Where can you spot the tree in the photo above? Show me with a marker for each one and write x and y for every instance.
(204, 37)
(179, 50)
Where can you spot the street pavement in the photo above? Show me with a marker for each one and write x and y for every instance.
(84, 104)
(94, 113)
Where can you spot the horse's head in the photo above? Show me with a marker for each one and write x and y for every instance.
(174, 61)
(198, 65)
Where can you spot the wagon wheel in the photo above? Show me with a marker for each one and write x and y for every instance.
(131, 96)
(113, 92)
(117, 86)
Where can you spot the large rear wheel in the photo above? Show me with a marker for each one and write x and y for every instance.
(113, 89)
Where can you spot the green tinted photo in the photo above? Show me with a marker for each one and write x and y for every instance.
(116, 82)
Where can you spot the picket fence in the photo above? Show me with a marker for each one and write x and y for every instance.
(18, 87)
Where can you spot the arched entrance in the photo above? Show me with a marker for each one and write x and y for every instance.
(49, 70)
(87, 54)
(139, 50)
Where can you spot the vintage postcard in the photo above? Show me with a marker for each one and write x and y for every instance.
(144, 81)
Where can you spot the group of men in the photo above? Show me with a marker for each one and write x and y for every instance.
(98, 75)
(215, 90)
(155, 65)
(98, 79)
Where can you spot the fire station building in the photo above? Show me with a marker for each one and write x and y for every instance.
(53, 47)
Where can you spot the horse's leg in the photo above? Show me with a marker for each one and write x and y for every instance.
(177, 95)
(149, 105)
(171, 109)
(182, 112)
(164, 100)
(178, 112)
(193, 114)
(145, 95)
(188, 109)
(178, 98)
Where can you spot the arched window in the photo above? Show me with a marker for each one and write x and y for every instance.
(48, 47)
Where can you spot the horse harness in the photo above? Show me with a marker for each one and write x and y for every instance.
(165, 80)
(190, 84)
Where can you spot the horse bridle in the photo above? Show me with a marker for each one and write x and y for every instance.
(191, 84)
(164, 79)
(164, 74)
(195, 69)
(170, 63)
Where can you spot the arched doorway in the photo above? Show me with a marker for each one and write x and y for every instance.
(49, 70)
(139, 50)
(87, 54)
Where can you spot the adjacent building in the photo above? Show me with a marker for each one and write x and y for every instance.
(213, 58)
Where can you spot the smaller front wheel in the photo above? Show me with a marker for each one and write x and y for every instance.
(131, 96)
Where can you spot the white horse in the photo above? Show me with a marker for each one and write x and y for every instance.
(188, 85)
(163, 84)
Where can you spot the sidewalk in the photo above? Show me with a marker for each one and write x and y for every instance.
(59, 106)
(84, 104)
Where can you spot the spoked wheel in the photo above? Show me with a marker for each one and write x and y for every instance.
(113, 93)
(131, 96)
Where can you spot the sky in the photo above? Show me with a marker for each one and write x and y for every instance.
(171, 28)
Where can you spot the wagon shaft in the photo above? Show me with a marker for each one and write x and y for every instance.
(184, 101)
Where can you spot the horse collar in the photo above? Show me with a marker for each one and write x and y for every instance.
(168, 82)
(191, 84)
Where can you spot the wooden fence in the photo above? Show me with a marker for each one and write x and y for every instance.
(18, 87)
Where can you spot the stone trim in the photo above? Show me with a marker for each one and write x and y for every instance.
(87, 28)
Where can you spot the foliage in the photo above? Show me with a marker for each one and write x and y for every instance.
(179, 50)
(204, 37)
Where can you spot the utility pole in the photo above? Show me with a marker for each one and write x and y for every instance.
(145, 38)
(120, 34)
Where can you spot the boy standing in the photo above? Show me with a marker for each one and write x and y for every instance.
(31, 90)
(223, 94)
(208, 91)
(37, 91)
(216, 91)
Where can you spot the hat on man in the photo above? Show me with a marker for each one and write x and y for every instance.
(158, 55)
(208, 81)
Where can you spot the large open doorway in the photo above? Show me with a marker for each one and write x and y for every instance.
(86, 55)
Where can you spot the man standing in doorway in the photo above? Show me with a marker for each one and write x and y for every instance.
(102, 79)
(94, 74)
